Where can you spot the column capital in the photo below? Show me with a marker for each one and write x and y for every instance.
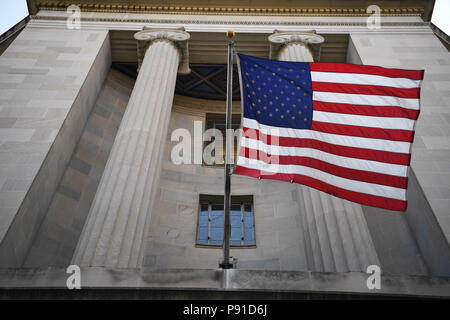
(281, 39)
(177, 37)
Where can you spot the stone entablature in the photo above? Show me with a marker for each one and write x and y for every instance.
(221, 23)
(317, 9)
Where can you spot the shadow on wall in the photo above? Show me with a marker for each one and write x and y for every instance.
(58, 235)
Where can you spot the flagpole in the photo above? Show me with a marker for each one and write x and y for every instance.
(228, 143)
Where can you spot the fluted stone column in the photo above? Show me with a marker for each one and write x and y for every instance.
(114, 232)
(335, 233)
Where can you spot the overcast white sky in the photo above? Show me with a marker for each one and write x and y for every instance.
(12, 11)
(441, 15)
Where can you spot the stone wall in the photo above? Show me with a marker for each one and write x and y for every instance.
(49, 80)
(395, 243)
(428, 213)
(58, 234)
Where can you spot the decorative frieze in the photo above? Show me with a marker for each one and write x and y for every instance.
(241, 21)
(217, 10)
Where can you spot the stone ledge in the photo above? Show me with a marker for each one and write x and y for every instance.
(212, 280)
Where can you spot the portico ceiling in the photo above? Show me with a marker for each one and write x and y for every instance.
(211, 48)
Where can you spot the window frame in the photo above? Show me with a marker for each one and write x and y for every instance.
(211, 116)
(214, 199)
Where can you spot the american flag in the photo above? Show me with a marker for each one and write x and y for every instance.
(340, 128)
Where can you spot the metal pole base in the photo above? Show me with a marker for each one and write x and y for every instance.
(231, 264)
(225, 265)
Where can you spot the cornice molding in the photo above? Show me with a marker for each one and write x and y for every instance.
(237, 22)
(258, 11)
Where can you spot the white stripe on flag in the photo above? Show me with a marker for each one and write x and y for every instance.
(366, 79)
(366, 99)
(364, 121)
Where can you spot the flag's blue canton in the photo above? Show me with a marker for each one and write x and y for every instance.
(277, 93)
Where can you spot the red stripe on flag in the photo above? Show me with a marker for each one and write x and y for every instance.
(373, 70)
(358, 197)
(375, 111)
(347, 173)
(366, 89)
(345, 151)
(367, 132)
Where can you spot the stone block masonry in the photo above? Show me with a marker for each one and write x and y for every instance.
(428, 190)
(58, 235)
(49, 80)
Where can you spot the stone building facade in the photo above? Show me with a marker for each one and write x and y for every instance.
(86, 176)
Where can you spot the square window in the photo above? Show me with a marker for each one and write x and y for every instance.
(210, 230)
